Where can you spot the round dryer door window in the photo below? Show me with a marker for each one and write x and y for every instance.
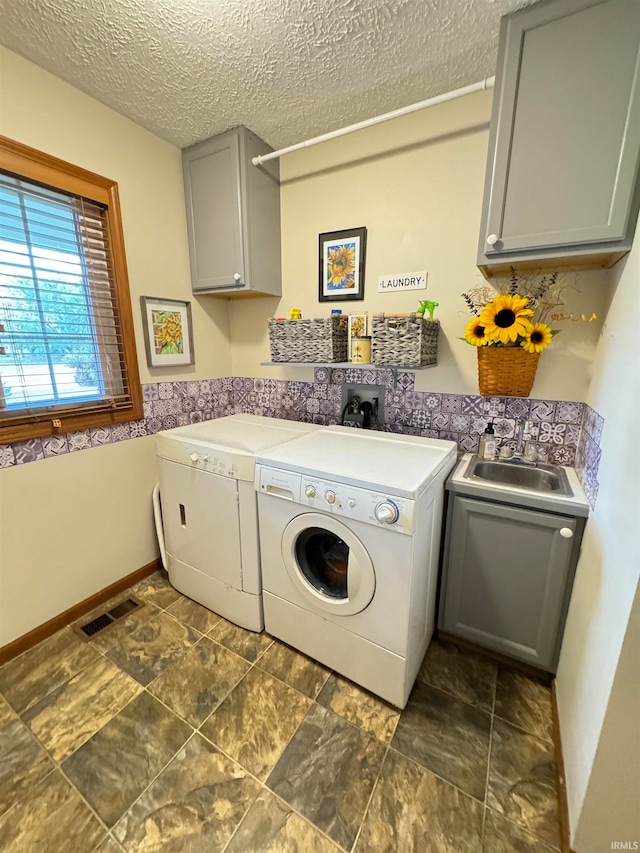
(328, 564)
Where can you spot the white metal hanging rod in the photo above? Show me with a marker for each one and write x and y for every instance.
(487, 83)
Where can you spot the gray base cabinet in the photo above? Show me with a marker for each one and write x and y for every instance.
(564, 149)
(233, 216)
(507, 578)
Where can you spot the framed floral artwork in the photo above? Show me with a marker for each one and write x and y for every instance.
(342, 256)
(168, 333)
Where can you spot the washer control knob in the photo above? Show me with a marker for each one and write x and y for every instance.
(386, 512)
(351, 503)
(310, 491)
(194, 457)
(330, 497)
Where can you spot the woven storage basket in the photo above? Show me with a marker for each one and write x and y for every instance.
(321, 340)
(506, 371)
(404, 340)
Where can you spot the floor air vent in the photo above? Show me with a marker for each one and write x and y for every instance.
(99, 623)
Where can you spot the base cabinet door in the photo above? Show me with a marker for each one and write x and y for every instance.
(507, 578)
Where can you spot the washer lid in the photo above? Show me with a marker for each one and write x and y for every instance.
(397, 464)
(227, 446)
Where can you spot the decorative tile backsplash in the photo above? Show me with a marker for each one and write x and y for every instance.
(562, 432)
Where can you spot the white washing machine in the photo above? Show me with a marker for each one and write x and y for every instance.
(208, 526)
(350, 526)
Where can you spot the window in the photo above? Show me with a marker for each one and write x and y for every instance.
(67, 350)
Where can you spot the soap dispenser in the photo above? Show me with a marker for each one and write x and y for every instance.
(488, 443)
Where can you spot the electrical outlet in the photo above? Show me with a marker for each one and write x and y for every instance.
(355, 394)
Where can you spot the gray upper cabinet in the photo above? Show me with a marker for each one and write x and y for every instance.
(562, 184)
(233, 216)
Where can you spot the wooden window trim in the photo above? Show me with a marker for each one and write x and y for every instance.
(43, 168)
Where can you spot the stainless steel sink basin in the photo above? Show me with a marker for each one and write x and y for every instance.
(543, 478)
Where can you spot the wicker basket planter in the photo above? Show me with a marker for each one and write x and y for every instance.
(404, 340)
(506, 371)
(315, 341)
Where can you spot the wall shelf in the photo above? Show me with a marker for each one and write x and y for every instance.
(343, 364)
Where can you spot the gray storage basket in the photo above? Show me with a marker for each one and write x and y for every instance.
(404, 340)
(317, 341)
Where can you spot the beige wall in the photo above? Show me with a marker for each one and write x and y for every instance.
(71, 526)
(607, 575)
(416, 183)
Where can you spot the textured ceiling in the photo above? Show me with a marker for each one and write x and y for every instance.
(287, 69)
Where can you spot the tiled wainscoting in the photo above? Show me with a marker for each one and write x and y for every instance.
(563, 432)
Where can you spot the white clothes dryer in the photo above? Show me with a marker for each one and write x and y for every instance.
(208, 521)
(350, 527)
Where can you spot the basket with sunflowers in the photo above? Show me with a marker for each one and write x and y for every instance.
(509, 336)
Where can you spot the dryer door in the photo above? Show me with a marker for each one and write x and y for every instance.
(328, 564)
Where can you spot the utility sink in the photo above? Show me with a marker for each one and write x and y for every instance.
(543, 478)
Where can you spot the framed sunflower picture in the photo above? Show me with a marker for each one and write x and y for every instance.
(342, 255)
(168, 333)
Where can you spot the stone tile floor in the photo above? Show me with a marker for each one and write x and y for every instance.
(174, 730)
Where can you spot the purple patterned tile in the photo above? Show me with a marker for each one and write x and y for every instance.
(390, 413)
(238, 383)
(182, 419)
(319, 390)
(138, 428)
(120, 432)
(451, 403)
(420, 418)
(160, 408)
(461, 423)
(469, 443)
(396, 398)
(517, 408)
(150, 391)
(55, 445)
(570, 413)
(188, 404)
(204, 387)
(180, 389)
(591, 486)
(478, 424)
(203, 402)
(337, 375)
(100, 435)
(7, 457)
(385, 377)
(248, 383)
(369, 375)
(80, 440)
(406, 380)
(313, 405)
(494, 407)
(552, 433)
(564, 455)
(430, 433)
(147, 408)
(543, 410)
(593, 423)
(327, 407)
(572, 434)
(403, 417)
(543, 452)
(472, 405)
(28, 451)
(591, 452)
(353, 374)
(334, 392)
(216, 385)
(193, 388)
(195, 418)
(440, 420)
(154, 425)
(432, 401)
(448, 435)
(414, 399)
(169, 422)
(296, 388)
(531, 430)
(165, 390)
(504, 428)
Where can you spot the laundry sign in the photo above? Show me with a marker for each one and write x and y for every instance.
(402, 281)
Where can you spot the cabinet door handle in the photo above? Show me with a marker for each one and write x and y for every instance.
(566, 532)
(492, 239)
(237, 276)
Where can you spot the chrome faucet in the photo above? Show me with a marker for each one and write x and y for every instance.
(519, 456)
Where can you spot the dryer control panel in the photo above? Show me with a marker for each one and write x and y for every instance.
(339, 499)
(210, 458)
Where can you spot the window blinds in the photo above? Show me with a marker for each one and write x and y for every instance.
(61, 343)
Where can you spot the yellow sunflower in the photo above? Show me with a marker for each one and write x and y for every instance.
(474, 333)
(537, 337)
(341, 263)
(505, 318)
